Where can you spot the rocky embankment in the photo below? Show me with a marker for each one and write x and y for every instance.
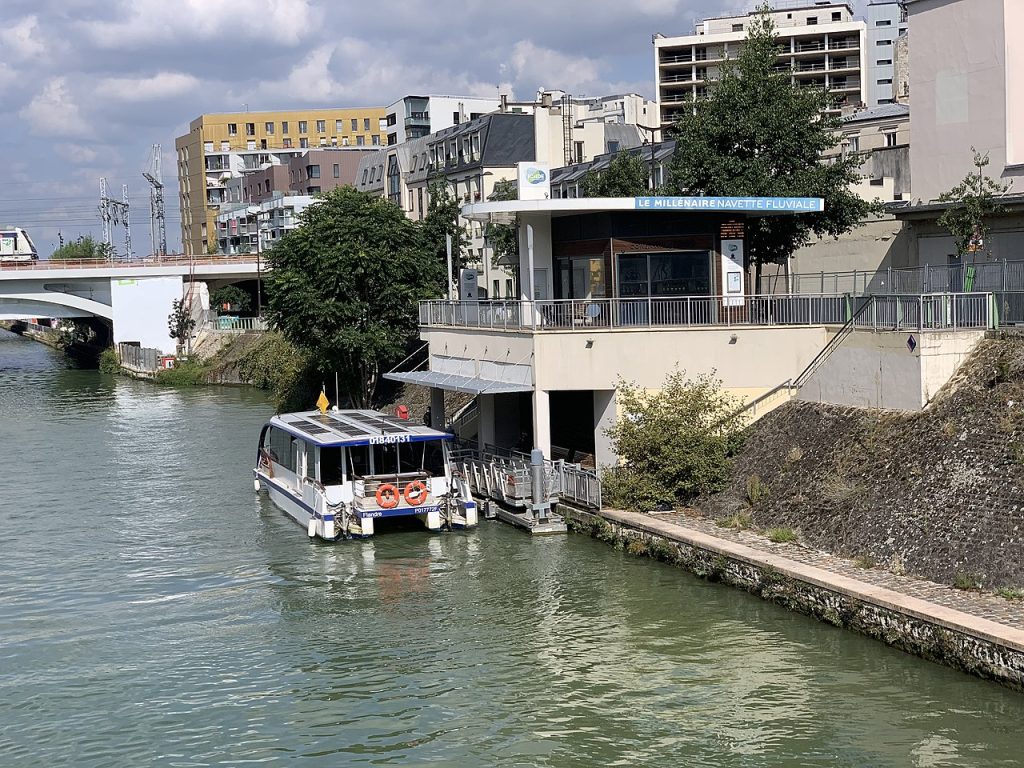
(939, 493)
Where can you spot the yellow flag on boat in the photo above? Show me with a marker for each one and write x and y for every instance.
(322, 402)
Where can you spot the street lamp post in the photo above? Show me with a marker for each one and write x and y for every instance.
(253, 210)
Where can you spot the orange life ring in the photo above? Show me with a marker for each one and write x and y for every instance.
(416, 492)
(388, 496)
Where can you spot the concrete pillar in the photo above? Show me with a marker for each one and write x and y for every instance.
(542, 422)
(437, 414)
(485, 431)
(604, 418)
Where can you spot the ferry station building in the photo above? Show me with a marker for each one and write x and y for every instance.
(613, 289)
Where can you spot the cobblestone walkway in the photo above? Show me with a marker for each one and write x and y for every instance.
(981, 604)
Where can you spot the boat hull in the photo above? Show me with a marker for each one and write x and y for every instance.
(308, 518)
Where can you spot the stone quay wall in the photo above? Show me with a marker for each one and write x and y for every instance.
(829, 598)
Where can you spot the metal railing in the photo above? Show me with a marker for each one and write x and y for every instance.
(591, 314)
(504, 475)
(918, 311)
(214, 321)
(147, 261)
(993, 276)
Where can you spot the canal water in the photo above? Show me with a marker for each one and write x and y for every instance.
(154, 611)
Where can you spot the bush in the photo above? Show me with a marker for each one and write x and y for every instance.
(109, 362)
(276, 365)
(674, 445)
(966, 581)
(739, 522)
(782, 535)
(185, 373)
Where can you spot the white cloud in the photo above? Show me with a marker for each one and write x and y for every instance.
(162, 85)
(22, 39)
(349, 72)
(7, 77)
(76, 153)
(285, 22)
(53, 112)
(536, 67)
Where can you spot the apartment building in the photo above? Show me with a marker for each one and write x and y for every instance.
(880, 136)
(886, 20)
(473, 156)
(822, 43)
(967, 84)
(413, 117)
(266, 203)
(219, 147)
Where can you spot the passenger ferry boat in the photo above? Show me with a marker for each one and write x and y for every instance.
(336, 472)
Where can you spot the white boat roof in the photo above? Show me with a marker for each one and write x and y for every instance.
(353, 427)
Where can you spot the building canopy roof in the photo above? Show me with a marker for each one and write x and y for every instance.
(505, 211)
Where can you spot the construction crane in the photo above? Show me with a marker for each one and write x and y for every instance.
(157, 224)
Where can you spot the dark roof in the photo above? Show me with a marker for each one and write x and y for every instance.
(506, 138)
(907, 210)
(571, 173)
(881, 112)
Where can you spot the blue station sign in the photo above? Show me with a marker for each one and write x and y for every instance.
(733, 204)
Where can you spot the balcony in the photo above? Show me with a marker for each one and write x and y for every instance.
(842, 45)
(418, 120)
(676, 79)
(679, 58)
(814, 47)
(843, 64)
(677, 98)
(845, 84)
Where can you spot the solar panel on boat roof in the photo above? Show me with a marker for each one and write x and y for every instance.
(310, 429)
(386, 424)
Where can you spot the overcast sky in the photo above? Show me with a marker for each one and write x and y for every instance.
(87, 86)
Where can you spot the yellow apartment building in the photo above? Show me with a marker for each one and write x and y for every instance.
(222, 146)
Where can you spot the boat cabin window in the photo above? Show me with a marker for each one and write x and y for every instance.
(396, 459)
(433, 458)
(359, 461)
(282, 447)
(399, 459)
(330, 466)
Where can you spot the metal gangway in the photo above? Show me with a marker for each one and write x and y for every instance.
(506, 477)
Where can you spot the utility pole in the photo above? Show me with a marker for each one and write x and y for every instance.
(127, 224)
(114, 213)
(105, 219)
(157, 222)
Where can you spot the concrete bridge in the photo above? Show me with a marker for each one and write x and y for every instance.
(135, 296)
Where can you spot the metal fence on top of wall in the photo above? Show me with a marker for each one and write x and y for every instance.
(991, 276)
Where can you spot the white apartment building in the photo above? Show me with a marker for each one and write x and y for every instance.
(251, 228)
(821, 42)
(887, 20)
(413, 117)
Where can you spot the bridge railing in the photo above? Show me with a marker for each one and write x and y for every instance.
(150, 261)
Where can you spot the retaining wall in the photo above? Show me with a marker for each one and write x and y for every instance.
(976, 646)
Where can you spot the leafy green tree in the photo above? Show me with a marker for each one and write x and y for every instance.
(442, 219)
(344, 287)
(181, 323)
(504, 238)
(974, 201)
(626, 176)
(673, 445)
(759, 134)
(83, 248)
(234, 297)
